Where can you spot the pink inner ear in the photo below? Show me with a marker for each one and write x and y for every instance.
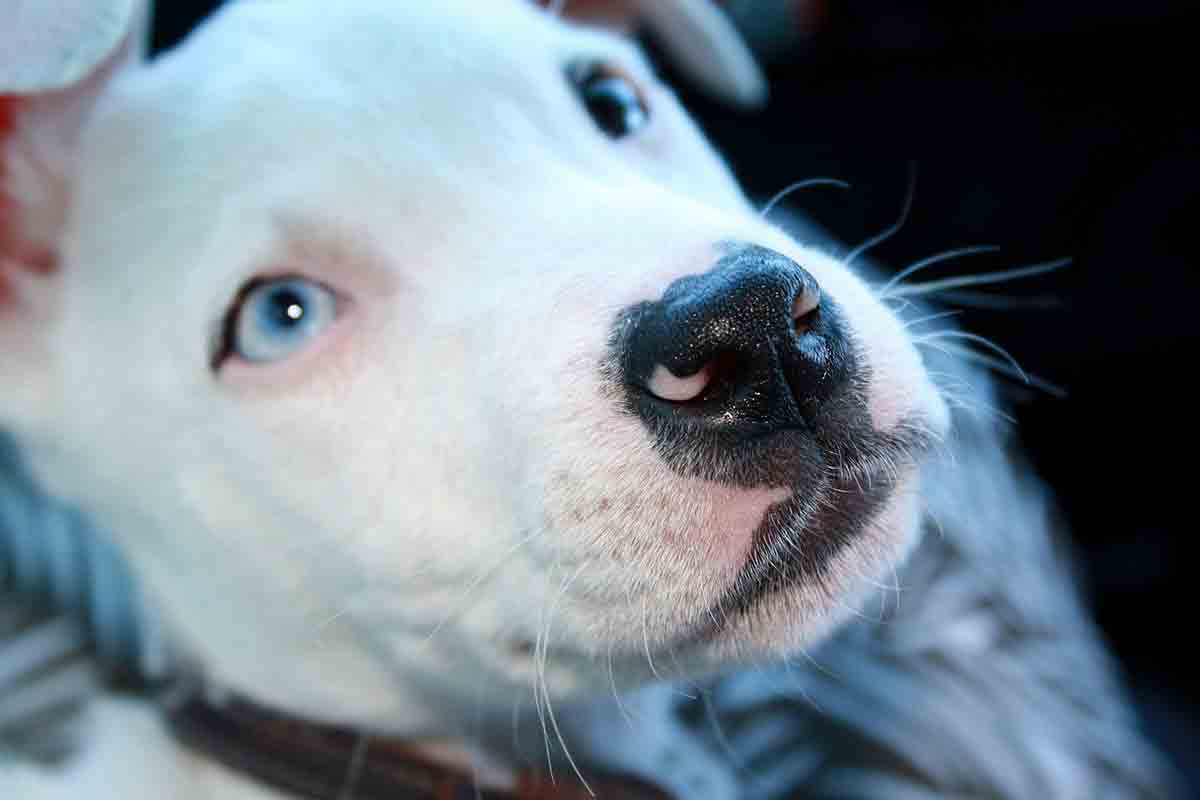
(15, 251)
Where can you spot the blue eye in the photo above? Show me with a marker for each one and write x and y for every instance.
(278, 318)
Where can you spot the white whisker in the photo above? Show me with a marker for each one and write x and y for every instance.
(925, 263)
(797, 186)
(646, 641)
(797, 685)
(957, 395)
(538, 693)
(710, 711)
(892, 229)
(545, 689)
(460, 606)
(1004, 368)
(822, 669)
(612, 682)
(982, 279)
(931, 318)
(999, 302)
(677, 686)
(974, 337)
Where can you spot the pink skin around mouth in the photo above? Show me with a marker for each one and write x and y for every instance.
(734, 516)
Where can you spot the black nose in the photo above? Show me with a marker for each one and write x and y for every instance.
(749, 347)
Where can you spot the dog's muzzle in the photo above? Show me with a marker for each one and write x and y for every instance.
(750, 376)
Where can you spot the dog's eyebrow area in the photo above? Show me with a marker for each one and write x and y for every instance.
(333, 251)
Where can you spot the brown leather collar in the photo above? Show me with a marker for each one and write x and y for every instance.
(315, 761)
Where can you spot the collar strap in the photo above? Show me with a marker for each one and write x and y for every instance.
(315, 761)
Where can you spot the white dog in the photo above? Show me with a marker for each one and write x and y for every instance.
(442, 386)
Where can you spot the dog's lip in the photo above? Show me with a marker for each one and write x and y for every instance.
(865, 483)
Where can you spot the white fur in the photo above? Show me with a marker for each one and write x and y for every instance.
(372, 532)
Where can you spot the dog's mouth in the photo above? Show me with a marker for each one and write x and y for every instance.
(764, 571)
(799, 539)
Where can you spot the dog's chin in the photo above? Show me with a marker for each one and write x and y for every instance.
(811, 570)
(801, 564)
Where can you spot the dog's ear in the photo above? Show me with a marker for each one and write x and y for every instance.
(56, 57)
(695, 34)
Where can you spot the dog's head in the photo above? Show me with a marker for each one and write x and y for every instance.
(432, 341)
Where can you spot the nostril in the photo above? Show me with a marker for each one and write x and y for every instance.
(805, 309)
(750, 347)
(666, 386)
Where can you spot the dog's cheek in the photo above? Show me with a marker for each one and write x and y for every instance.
(648, 553)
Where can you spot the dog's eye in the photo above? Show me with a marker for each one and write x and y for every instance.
(611, 97)
(276, 318)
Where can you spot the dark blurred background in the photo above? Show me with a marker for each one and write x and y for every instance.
(1048, 129)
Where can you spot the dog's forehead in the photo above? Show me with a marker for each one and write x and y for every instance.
(273, 105)
(381, 31)
(408, 68)
(268, 77)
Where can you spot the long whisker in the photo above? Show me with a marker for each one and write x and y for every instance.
(545, 690)
(458, 607)
(646, 641)
(891, 230)
(787, 191)
(930, 318)
(1004, 368)
(714, 723)
(821, 668)
(983, 279)
(679, 670)
(970, 404)
(925, 263)
(999, 302)
(538, 681)
(612, 682)
(983, 340)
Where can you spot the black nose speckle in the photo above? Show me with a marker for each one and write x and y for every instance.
(749, 348)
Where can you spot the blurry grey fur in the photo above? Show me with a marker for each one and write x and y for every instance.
(981, 674)
(982, 677)
(71, 621)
